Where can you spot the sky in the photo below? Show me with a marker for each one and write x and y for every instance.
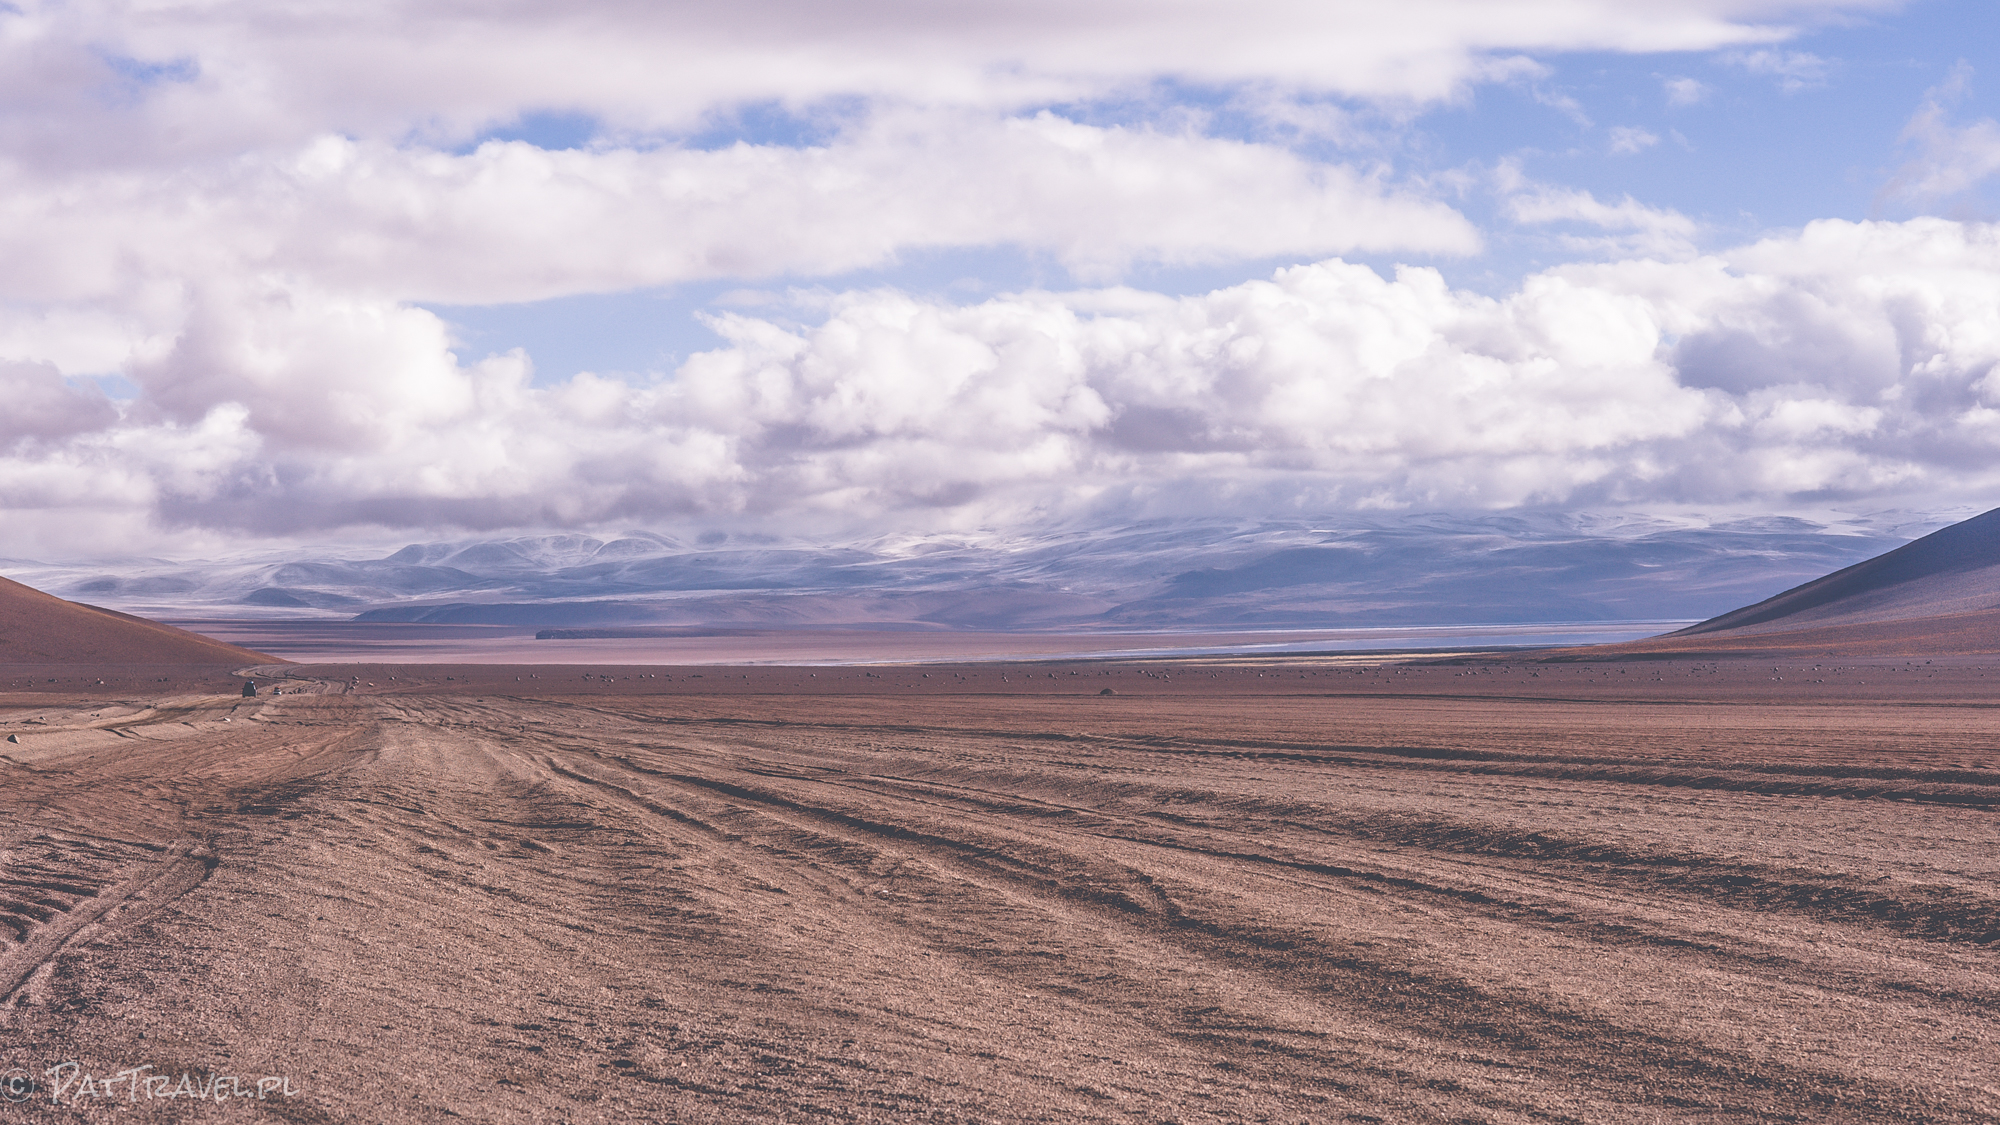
(391, 269)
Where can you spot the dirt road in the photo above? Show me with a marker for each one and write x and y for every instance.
(489, 900)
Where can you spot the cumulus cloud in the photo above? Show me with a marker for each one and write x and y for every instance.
(42, 408)
(1849, 360)
(147, 146)
(153, 149)
(236, 207)
(511, 222)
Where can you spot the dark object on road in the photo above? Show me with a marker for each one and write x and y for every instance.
(249, 689)
(1107, 691)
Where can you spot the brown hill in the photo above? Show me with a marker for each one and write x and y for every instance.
(1953, 570)
(37, 628)
(1939, 595)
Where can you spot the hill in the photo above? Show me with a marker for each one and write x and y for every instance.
(37, 628)
(1937, 595)
(1954, 570)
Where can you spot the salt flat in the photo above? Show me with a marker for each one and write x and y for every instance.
(319, 641)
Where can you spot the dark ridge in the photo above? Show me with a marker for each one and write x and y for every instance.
(1902, 584)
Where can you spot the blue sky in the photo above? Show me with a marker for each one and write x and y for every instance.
(912, 268)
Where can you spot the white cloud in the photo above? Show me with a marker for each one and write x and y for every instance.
(42, 409)
(1564, 104)
(1684, 91)
(1628, 139)
(1633, 228)
(1951, 159)
(118, 80)
(1795, 419)
(1793, 70)
(513, 222)
(1853, 359)
(236, 206)
(1547, 205)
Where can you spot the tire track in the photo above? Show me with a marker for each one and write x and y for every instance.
(1535, 1035)
(142, 888)
(663, 909)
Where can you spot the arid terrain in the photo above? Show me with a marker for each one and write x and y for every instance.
(1311, 890)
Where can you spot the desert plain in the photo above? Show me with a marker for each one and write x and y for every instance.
(1310, 889)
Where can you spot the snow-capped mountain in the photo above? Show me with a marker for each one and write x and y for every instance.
(1165, 574)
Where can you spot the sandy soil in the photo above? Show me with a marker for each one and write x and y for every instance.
(1252, 891)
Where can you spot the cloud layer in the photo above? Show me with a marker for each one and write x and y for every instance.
(183, 78)
(236, 211)
(512, 222)
(1852, 360)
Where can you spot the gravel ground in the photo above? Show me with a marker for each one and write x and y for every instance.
(1307, 890)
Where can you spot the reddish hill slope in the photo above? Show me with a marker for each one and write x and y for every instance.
(1953, 570)
(37, 628)
(1938, 595)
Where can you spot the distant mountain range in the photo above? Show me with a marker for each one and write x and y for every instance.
(1167, 574)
